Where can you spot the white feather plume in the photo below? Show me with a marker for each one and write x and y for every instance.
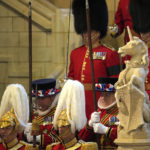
(15, 97)
(72, 98)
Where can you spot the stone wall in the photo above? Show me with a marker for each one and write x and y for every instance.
(49, 48)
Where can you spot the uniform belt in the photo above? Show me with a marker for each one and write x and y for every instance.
(87, 86)
(147, 86)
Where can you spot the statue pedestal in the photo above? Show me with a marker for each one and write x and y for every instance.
(133, 131)
(133, 144)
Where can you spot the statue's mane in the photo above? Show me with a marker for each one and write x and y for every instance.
(143, 57)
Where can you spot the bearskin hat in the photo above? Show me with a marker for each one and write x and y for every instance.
(98, 16)
(140, 13)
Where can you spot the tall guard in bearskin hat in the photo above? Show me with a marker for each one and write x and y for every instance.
(103, 122)
(46, 95)
(14, 115)
(140, 12)
(106, 62)
(70, 118)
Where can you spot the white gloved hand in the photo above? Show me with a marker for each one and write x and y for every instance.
(30, 138)
(114, 30)
(28, 128)
(28, 135)
(95, 118)
(99, 128)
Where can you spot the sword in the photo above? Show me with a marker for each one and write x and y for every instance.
(30, 66)
(91, 53)
(91, 61)
(68, 37)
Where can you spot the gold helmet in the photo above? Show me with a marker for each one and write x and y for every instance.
(62, 120)
(9, 119)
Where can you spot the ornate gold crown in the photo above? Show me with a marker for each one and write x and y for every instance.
(62, 120)
(9, 119)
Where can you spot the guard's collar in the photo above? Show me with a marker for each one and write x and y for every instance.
(10, 144)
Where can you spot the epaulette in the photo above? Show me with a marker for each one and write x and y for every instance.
(29, 146)
(109, 46)
(50, 146)
(88, 145)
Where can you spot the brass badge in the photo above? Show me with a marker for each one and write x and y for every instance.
(99, 55)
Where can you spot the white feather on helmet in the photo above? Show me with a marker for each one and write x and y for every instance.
(72, 98)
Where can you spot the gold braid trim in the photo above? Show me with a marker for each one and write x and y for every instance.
(40, 119)
(89, 146)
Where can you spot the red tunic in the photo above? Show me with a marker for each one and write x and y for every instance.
(48, 134)
(123, 19)
(106, 64)
(148, 76)
(106, 141)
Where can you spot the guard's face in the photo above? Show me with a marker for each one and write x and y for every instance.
(145, 37)
(6, 132)
(107, 95)
(45, 102)
(64, 131)
(94, 37)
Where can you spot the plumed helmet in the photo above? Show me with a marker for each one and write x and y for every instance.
(14, 108)
(98, 16)
(140, 13)
(71, 106)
